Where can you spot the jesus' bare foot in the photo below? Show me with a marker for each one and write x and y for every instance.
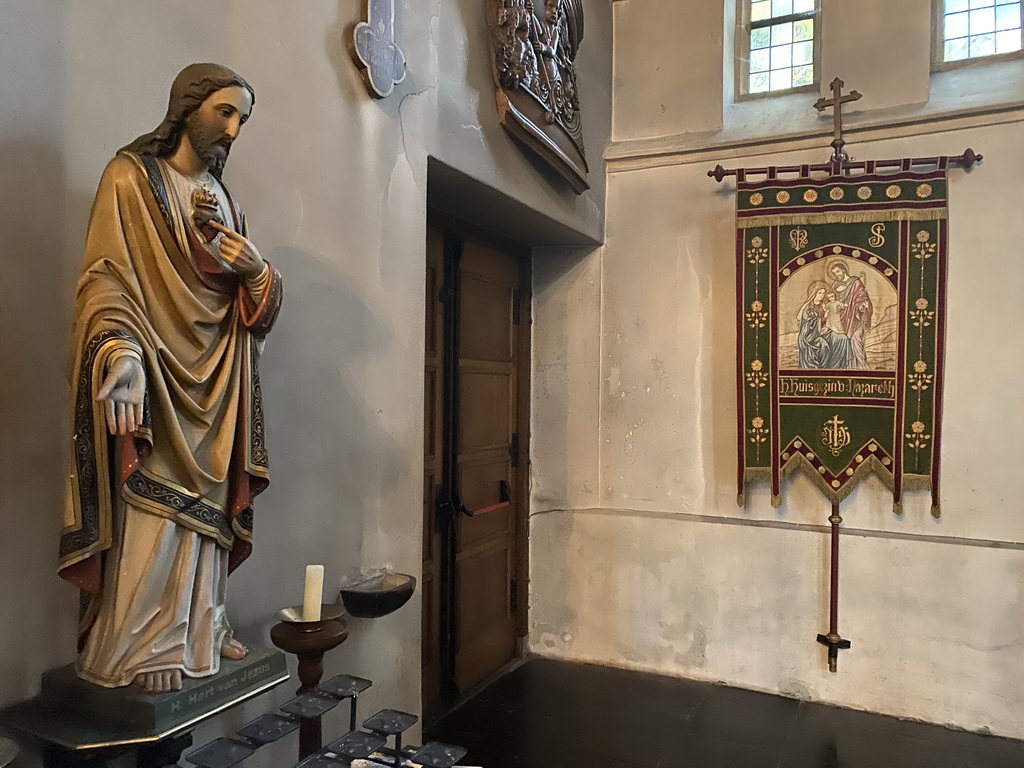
(232, 649)
(159, 682)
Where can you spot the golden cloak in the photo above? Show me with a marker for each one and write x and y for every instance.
(200, 456)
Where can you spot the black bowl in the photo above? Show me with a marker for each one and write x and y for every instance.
(378, 595)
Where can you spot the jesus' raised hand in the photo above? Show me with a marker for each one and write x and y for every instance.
(239, 252)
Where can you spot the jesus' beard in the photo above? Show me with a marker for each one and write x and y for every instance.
(212, 151)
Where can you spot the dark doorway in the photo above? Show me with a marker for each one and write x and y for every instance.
(475, 459)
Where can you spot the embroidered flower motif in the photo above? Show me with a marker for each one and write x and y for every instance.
(916, 437)
(836, 193)
(893, 191)
(757, 378)
(782, 197)
(810, 196)
(923, 236)
(921, 303)
(920, 366)
(757, 422)
(756, 199)
(864, 193)
(757, 242)
(924, 190)
(756, 317)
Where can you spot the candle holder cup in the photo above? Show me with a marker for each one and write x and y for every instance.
(293, 617)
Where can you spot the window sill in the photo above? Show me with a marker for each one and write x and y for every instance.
(760, 97)
(986, 93)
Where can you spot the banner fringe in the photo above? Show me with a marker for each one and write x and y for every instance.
(841, 217)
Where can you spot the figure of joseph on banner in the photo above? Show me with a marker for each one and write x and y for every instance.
(168, 450)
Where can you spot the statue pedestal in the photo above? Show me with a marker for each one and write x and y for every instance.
(83, 724)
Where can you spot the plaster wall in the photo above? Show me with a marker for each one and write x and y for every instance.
(645, 560)
(335, 187)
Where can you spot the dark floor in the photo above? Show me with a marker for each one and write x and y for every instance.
(550, 714)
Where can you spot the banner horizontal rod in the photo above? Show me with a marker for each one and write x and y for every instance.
(965, 161)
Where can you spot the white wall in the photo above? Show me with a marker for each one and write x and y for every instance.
(640, 556)
(335, 187)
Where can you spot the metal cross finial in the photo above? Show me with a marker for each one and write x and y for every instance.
(836, 102)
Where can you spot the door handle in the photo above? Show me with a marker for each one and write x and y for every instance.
(504, 500)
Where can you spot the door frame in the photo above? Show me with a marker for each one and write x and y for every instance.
(455, 231)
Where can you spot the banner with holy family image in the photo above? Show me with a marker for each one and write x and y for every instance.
(841, 287)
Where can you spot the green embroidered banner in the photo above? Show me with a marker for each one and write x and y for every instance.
(841, 287)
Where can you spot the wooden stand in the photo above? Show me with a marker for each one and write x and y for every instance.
(309, 641)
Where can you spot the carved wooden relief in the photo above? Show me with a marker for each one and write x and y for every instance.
(535, 44)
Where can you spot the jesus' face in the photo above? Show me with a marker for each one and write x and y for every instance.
(215, 125)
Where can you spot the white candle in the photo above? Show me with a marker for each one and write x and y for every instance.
(314, 593)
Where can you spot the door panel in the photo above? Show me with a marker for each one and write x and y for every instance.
(487, 395)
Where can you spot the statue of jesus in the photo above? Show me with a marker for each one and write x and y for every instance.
(171, 311)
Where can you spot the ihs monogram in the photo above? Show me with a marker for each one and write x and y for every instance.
(835, 436)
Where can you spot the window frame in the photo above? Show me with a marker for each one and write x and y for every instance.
(939, 63)
(741, 67)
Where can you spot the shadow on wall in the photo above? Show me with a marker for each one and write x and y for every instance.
(331, 460)
(339, 48)
(556, 271)
(479, 81)
(40, 612)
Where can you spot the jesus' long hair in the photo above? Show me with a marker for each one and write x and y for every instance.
(193, 85)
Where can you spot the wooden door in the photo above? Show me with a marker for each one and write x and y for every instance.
(474, 468)
(485, 545)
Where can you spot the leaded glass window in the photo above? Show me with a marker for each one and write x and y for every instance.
(975, 28)
(780, 39)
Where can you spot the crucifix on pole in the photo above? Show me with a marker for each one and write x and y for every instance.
(836, 102)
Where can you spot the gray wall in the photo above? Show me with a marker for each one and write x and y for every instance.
(335, 186)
